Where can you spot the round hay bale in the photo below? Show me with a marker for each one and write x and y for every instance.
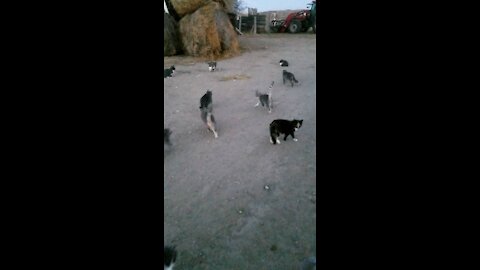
(171, 36)
(184, 7)
(208, 33)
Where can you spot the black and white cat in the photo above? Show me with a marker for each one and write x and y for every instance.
(212, 66)
(283, 63)
(168, 72)
(265, 99)
(286, 127)
(289, 77)
(169, 257)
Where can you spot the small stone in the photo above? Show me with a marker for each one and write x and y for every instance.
(266, 187)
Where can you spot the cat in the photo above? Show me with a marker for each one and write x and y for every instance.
(206, 110)
(169, 257)
(265, 99)
(289, 77)
(168, 72)
(166, 136)
(206, 101)
(283, 126)
(212, 66)
(283, 63)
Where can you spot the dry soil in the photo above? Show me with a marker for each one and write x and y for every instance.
(238, 201)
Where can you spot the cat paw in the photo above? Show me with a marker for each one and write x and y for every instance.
(295, 139)
(271, 141)
(278, 141)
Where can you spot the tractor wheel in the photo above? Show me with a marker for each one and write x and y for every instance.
(295, 26)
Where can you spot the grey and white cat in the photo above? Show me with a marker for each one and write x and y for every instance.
(206, 109)
(212, 66)
(265, 99)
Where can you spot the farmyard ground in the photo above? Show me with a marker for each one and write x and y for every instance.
(217, 211)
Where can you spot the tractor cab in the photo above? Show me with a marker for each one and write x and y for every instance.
(298, 21)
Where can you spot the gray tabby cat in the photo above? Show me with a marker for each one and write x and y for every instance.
(265, 99)
(289, 77)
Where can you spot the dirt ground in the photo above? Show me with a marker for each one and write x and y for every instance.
(217, 209)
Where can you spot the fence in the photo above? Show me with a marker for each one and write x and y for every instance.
(246, 24)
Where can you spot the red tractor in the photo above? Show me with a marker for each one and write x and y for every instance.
(298, 21)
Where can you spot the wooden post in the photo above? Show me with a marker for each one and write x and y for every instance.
(267, 24)
(254, 25)
(240, 24)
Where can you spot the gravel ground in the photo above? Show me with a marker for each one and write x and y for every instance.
(239, 202)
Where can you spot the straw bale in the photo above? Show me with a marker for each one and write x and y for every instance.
(228, 5)
(208, 33)
(184, 7)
